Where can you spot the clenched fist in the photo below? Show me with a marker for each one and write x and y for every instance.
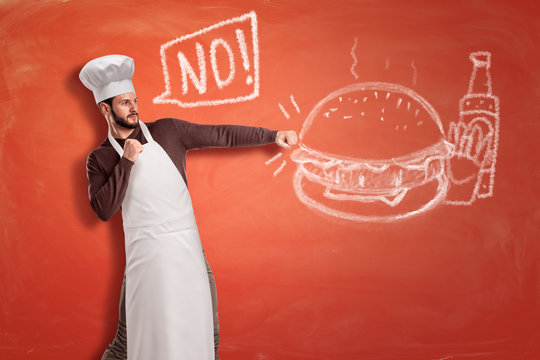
(286, 139)
(132, 149)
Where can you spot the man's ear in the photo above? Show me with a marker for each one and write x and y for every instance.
(104, 108)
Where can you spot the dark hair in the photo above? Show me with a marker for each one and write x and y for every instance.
(108, 101)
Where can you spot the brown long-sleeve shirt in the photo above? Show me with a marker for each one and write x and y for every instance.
(108, 174)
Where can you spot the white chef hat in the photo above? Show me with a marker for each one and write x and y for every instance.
(108, 76)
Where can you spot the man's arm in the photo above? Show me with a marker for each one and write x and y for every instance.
(107, 192)
(198, 136)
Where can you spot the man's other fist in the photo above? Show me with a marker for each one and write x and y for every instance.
(132, 149)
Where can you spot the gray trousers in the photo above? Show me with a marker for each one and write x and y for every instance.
(117, 349)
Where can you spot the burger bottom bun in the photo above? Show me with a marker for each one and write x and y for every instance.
(416, 200)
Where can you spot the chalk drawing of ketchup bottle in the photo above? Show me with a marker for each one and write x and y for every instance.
(475, 137)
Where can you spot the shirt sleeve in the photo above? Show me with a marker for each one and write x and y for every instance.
(198, 136)
(107, 192)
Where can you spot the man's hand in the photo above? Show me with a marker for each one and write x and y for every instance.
(132, 149)
(286, 139)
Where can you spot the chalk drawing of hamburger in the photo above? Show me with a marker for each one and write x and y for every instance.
(372, 151)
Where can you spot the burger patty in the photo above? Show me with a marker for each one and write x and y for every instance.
(349, 176)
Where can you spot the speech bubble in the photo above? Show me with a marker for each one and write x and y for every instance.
(213, 66)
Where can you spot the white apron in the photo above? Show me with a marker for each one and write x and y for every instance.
(168, 302)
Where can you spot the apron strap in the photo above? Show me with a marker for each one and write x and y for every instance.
(117, 146)
(146, 132)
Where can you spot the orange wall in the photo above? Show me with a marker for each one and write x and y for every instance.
(453, 282)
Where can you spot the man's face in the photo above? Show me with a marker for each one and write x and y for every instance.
(124, 110)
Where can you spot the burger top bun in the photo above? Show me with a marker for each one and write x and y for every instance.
(371, 121)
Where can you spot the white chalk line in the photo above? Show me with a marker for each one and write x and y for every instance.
(477, 63)
(187, 70)
(280, 168)
(392, 201)
(285, 113)
(268, 162)
(221, 83)
(294, 104)
(355, 60)
(415, 72)
(243, 48)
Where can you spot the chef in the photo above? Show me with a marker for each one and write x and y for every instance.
(169, 307)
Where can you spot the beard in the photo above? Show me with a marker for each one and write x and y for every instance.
(124, 122)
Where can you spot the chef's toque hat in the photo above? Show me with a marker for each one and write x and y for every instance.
(108, 76)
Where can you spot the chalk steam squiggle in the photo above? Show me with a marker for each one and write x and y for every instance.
(415, 72)
(355, 60)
